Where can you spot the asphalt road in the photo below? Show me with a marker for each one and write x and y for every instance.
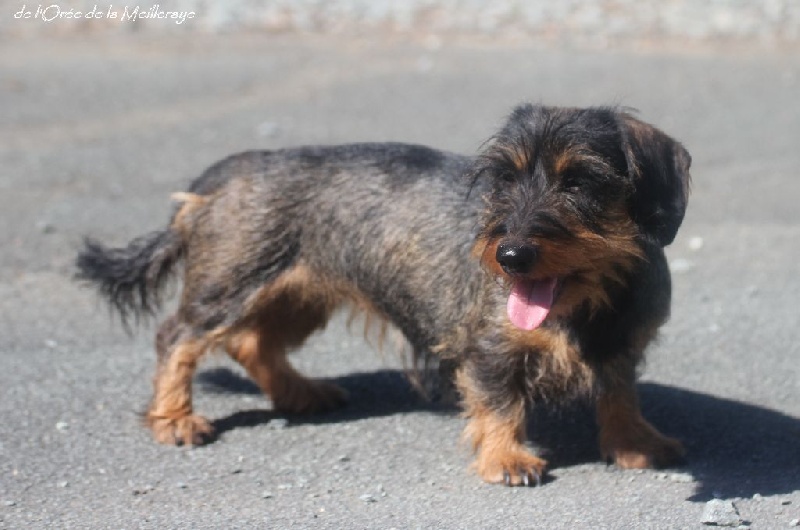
(95, 134)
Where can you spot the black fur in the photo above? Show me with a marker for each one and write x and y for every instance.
(130, 278)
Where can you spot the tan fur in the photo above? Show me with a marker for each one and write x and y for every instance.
(629, 440)
(498, 441)
(260, 352)
(284, 313)
(191, 202)
(561, 369)
(586, 265)
(519, 157)
(170, 414)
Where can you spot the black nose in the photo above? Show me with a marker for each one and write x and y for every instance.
(515, 258)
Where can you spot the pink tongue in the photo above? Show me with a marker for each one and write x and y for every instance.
(529, 303)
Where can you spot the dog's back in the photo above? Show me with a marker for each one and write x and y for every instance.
(378, 217)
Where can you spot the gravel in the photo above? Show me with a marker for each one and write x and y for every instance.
(720, 512)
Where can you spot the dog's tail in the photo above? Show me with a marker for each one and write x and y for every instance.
(131, 277)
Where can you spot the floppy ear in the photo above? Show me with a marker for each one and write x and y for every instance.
(659, 167)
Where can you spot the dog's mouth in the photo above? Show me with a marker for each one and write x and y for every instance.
(530, 301)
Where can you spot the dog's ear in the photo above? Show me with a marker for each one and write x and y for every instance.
(659, 167)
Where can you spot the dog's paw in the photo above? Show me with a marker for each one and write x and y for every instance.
(515, 467)
(187, 430)
(306, 396)
(641, 447)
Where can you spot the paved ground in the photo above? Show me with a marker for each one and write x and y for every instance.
(94, 135)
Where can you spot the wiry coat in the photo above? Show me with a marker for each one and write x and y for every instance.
(273, 242)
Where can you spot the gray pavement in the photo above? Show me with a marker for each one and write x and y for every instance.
(96, 132)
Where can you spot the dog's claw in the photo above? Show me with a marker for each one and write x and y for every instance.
(506, 478)
(531, 478)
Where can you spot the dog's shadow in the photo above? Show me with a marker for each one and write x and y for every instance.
(733, 449)
(372, 394)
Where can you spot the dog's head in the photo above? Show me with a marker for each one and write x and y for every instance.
(574, 194)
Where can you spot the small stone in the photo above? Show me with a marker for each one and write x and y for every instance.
(344, 458)
(757, 497)
(181, 485)
(680, 265)
(696, 243)
(236, 471)
(368, 497)
(266, 495)
(267, 129)
(284, 486)
(278, 423)
(719, 512)
(794, 522)
(63, 484)
(685, 478)
(9, 503)
(786, 502)
(147, 488)
(62, 426)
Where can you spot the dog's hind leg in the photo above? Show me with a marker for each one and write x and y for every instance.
(288, 315)
(170, 415)
(262, 354)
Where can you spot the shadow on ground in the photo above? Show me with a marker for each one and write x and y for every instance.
(373, 394)
(734, 449)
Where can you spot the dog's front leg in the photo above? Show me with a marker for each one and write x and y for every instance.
(626, 438)
(496, 428)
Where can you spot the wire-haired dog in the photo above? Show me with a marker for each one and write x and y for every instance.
(537, 265)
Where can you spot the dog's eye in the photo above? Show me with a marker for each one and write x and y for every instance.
(577, 179)
(507, 176)
(570, 183)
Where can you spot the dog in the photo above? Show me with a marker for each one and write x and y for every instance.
(537, 266)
